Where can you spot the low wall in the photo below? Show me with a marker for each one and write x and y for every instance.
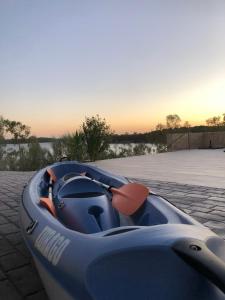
(195, 140)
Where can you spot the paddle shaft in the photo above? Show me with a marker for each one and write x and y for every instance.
(50, 189)
(101, 183)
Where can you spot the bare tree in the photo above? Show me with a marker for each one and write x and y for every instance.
(173, 121)
(209, 122)
(160, 127)
(214, 121)
(187, 124)
(223, 119)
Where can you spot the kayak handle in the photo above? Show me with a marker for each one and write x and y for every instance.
(195, 253)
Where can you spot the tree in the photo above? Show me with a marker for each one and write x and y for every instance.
(160, 127)
(1, 127)
(96, 136)
(187, 124)
(173, 121)
(19, 131)
(209, 122)
(223, 119)
(1, 137)
(214, 121)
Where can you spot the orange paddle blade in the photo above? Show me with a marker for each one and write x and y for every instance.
(51, 174)
(47, 203)
(129, 198)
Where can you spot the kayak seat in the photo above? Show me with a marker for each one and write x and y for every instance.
(85, 206)
(81, 204)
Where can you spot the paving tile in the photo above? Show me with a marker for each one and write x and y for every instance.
(211, 202)
(217, 198)
(197, 195)
(218, 213)
(200, 209)
(220, 208)
(8, 228)
(9, 212)
(15, 238)
(199, 219)
(183, 206)
(38, 296)
(207, 216)
(5, 247)
(3, 207)
(180, 200)
(204, 205)
(214, 224)
(195, 199)
(12, 261)
(187, 211)
(176, 193)
(23, 249)
(8, 291)
(26, 281)
(2, 277)
(220, 232)
(12, 204)
(220, 203)
(14, 219)
(3, 220)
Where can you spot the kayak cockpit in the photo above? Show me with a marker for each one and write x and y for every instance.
(79, 202)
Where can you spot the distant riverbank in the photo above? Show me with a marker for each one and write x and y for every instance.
(150, 148)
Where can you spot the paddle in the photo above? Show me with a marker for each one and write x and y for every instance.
(127, 199)
(47, 201)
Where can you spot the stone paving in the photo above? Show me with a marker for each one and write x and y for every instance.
(18, 276)
(205, 204)
(194, 167)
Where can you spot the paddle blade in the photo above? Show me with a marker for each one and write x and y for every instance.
(47, 203)
(51, 174)
(129, 198)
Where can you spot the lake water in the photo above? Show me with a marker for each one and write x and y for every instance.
(114, 147)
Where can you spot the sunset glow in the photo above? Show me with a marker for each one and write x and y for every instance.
(132, 64)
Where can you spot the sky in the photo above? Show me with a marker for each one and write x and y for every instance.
(131, 61)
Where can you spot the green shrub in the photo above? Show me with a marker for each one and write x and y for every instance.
(161, 148)
(96, 136)
(139, 149)
(58, 148)
(10, 160)
(75, 146)
(72, 146)
(125, 151)
(35, 157)
(26, 159)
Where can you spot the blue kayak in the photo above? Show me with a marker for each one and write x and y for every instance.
(97, 236)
